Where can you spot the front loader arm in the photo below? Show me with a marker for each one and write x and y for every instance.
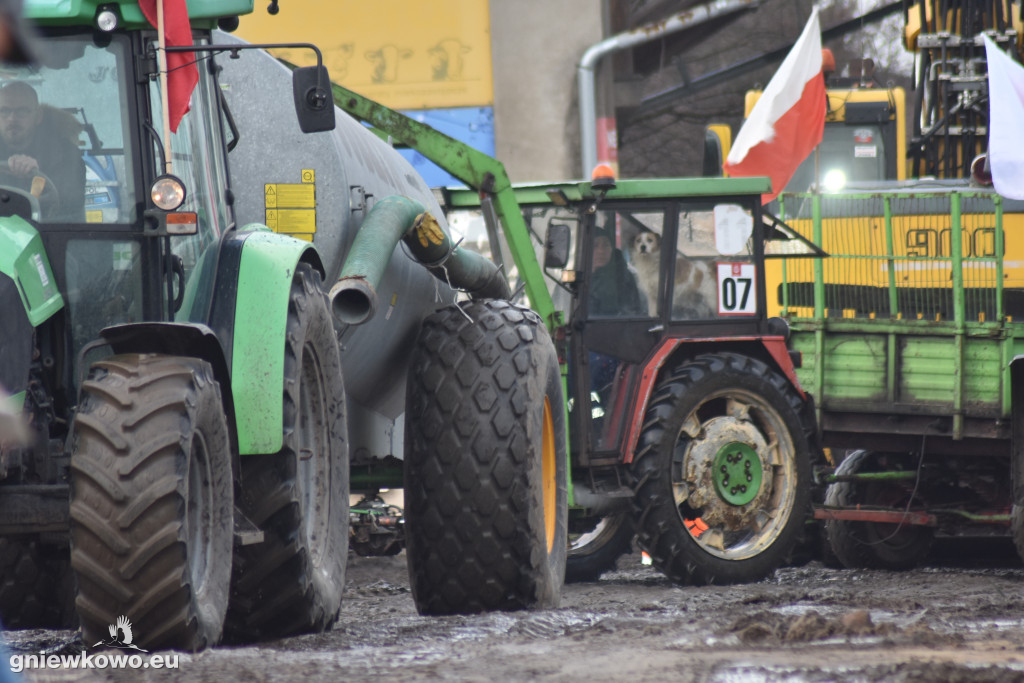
(474, 168)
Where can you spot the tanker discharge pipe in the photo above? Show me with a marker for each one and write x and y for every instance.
(354, 295)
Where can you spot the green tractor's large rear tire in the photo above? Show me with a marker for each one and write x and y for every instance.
(292, 582)
(485, 467)
(723, 471)
(151, 502)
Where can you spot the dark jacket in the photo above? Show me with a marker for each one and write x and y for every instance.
(614, 291)
(60, 159)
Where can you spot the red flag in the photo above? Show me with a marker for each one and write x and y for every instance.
(182, 74)
(788, 122)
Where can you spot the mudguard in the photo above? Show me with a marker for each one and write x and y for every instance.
(28, 297)
(265, 272)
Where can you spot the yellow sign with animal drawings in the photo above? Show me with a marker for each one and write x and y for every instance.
(406, 54)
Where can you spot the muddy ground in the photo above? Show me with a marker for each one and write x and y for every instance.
(961, 618)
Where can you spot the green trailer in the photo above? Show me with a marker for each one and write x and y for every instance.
(910, 337)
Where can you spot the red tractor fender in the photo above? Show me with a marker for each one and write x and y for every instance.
(774, 345)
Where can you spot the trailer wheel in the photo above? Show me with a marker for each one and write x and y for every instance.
(292, 581)
(36, 586)
(485, 465)
(151, 502)
(596, 544)
(722, 473)
(870, 545)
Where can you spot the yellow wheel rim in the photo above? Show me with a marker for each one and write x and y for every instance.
(548, 470)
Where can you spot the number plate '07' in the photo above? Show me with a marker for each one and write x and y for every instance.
(737, 293)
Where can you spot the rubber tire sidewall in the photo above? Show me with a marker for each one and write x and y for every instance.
(660, 527)
(476, 534)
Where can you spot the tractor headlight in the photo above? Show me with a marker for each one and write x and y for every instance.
(168, 192)
(106, 19)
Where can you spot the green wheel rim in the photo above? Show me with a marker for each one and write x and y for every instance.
(737, 473)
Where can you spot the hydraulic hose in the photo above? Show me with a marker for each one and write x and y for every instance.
(354, 295)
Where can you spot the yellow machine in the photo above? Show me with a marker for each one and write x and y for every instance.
(870, 166)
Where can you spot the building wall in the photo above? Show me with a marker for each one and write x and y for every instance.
(535, 48)
(527, 51)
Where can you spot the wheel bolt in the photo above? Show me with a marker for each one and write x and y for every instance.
(743, 489)
(724, 469)
(733, 490)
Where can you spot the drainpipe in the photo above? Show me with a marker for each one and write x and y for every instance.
(588, 64)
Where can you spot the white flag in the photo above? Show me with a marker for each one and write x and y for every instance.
(1005, 121)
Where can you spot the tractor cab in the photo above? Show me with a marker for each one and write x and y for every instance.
(130, 205)
(121, 246)
(658, 268)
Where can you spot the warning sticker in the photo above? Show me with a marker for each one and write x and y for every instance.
(290, 195)
(865, 151)
(291, 220)
(291, 207)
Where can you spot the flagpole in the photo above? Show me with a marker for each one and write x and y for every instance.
(817, 170)
(161, 61)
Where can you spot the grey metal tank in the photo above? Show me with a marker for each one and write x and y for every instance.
(351, 169)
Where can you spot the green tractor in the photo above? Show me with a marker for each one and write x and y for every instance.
(194, 397)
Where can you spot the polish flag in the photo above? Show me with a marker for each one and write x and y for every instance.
(1005, 121)
(182, 74)
(788, 122)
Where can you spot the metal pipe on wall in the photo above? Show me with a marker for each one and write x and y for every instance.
(588, 63)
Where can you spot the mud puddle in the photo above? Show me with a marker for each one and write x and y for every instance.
(942, 622)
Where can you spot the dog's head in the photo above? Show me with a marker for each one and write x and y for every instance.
(646, 243)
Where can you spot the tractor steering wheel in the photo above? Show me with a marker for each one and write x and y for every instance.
(45, 202)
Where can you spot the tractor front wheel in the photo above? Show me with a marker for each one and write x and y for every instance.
(151, 503)
(723, 471)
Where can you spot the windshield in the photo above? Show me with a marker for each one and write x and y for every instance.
(63, 147)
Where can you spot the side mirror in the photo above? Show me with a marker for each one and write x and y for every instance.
(556, 246)
(314, 105)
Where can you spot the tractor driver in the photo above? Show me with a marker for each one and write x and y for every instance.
(614, 291)
(39, 140)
